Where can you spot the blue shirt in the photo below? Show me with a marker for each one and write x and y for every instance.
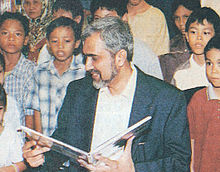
(18, 82)
(49, 90)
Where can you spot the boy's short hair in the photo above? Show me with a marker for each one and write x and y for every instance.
(120, 6)
(3, 97)
(202, 14)
(213, 43)
(65, 22)
(73, 6)
(191, 5)
(16, 16)
(2, 61)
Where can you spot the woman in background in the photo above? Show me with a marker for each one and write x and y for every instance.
(39, 14)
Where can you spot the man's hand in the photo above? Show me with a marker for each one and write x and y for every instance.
(123, 164)
(33, 153)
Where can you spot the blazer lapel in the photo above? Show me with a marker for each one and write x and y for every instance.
(142, 104)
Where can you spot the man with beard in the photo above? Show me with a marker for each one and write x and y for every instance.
(116, 96)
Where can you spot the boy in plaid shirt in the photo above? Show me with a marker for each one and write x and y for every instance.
(52, 77)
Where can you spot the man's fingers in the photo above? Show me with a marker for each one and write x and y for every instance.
(28, 145)
(129, 145)
(106, 161)
(86, 165)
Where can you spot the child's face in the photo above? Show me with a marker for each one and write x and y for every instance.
(12, 36)
(181, 16)
(33, 8)
(198, 36)
(103, 12)
(62, 43)
(213, 67)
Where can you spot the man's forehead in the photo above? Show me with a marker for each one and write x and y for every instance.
(93, 43)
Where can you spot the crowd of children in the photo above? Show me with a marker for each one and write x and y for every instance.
(40, 54)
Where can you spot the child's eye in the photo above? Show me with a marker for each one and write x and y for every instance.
(53, 41)
(18, 34)
(3, 33)
(208, 63)
(192, 31)
(207, 33)
(67, 40)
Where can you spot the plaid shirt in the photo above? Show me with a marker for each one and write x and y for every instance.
(50, 89)
(18, 82)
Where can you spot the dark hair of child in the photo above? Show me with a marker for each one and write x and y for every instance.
(65, 22)
(120, 6)
(16, 16)
(2, 61)
(213, 43)
(191, 5)
(73, 6)
(202, 14)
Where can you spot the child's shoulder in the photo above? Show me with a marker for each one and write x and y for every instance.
(200, 96)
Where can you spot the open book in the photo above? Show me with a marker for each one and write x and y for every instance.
(118, 140)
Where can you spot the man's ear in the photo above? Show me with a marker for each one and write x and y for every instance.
(77, 19)
(26, 39)
(120, 57)
(77, 43)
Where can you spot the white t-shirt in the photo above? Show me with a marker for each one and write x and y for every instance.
(191, 77)
(10, 147)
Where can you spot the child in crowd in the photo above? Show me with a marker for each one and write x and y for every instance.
(149, 24)
(39, 14)
(12, 115)
(201, 26)
(52, 77)
(204, 116)
(10, 142)
(181, 10)
(179, 50)
(66, 8)
(18, 70)
(143, 56)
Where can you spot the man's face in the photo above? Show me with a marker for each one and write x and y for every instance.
(62, 43)
(99, 61)
(213, 67)
(180, 18)
(12, 37)
(198, 36)
(103, 12)
(33, 8)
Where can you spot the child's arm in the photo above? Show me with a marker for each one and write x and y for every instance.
(192, 156)
(37, 121)
(29, 121)
(19, 166)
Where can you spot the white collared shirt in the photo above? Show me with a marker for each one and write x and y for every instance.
(191, 77)
(113, 113)
(211, 93)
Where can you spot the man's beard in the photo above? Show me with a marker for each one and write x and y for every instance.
(104, 83)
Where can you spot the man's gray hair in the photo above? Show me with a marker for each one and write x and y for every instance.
(114, 32)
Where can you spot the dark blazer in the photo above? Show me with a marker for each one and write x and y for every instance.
(165, 146)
